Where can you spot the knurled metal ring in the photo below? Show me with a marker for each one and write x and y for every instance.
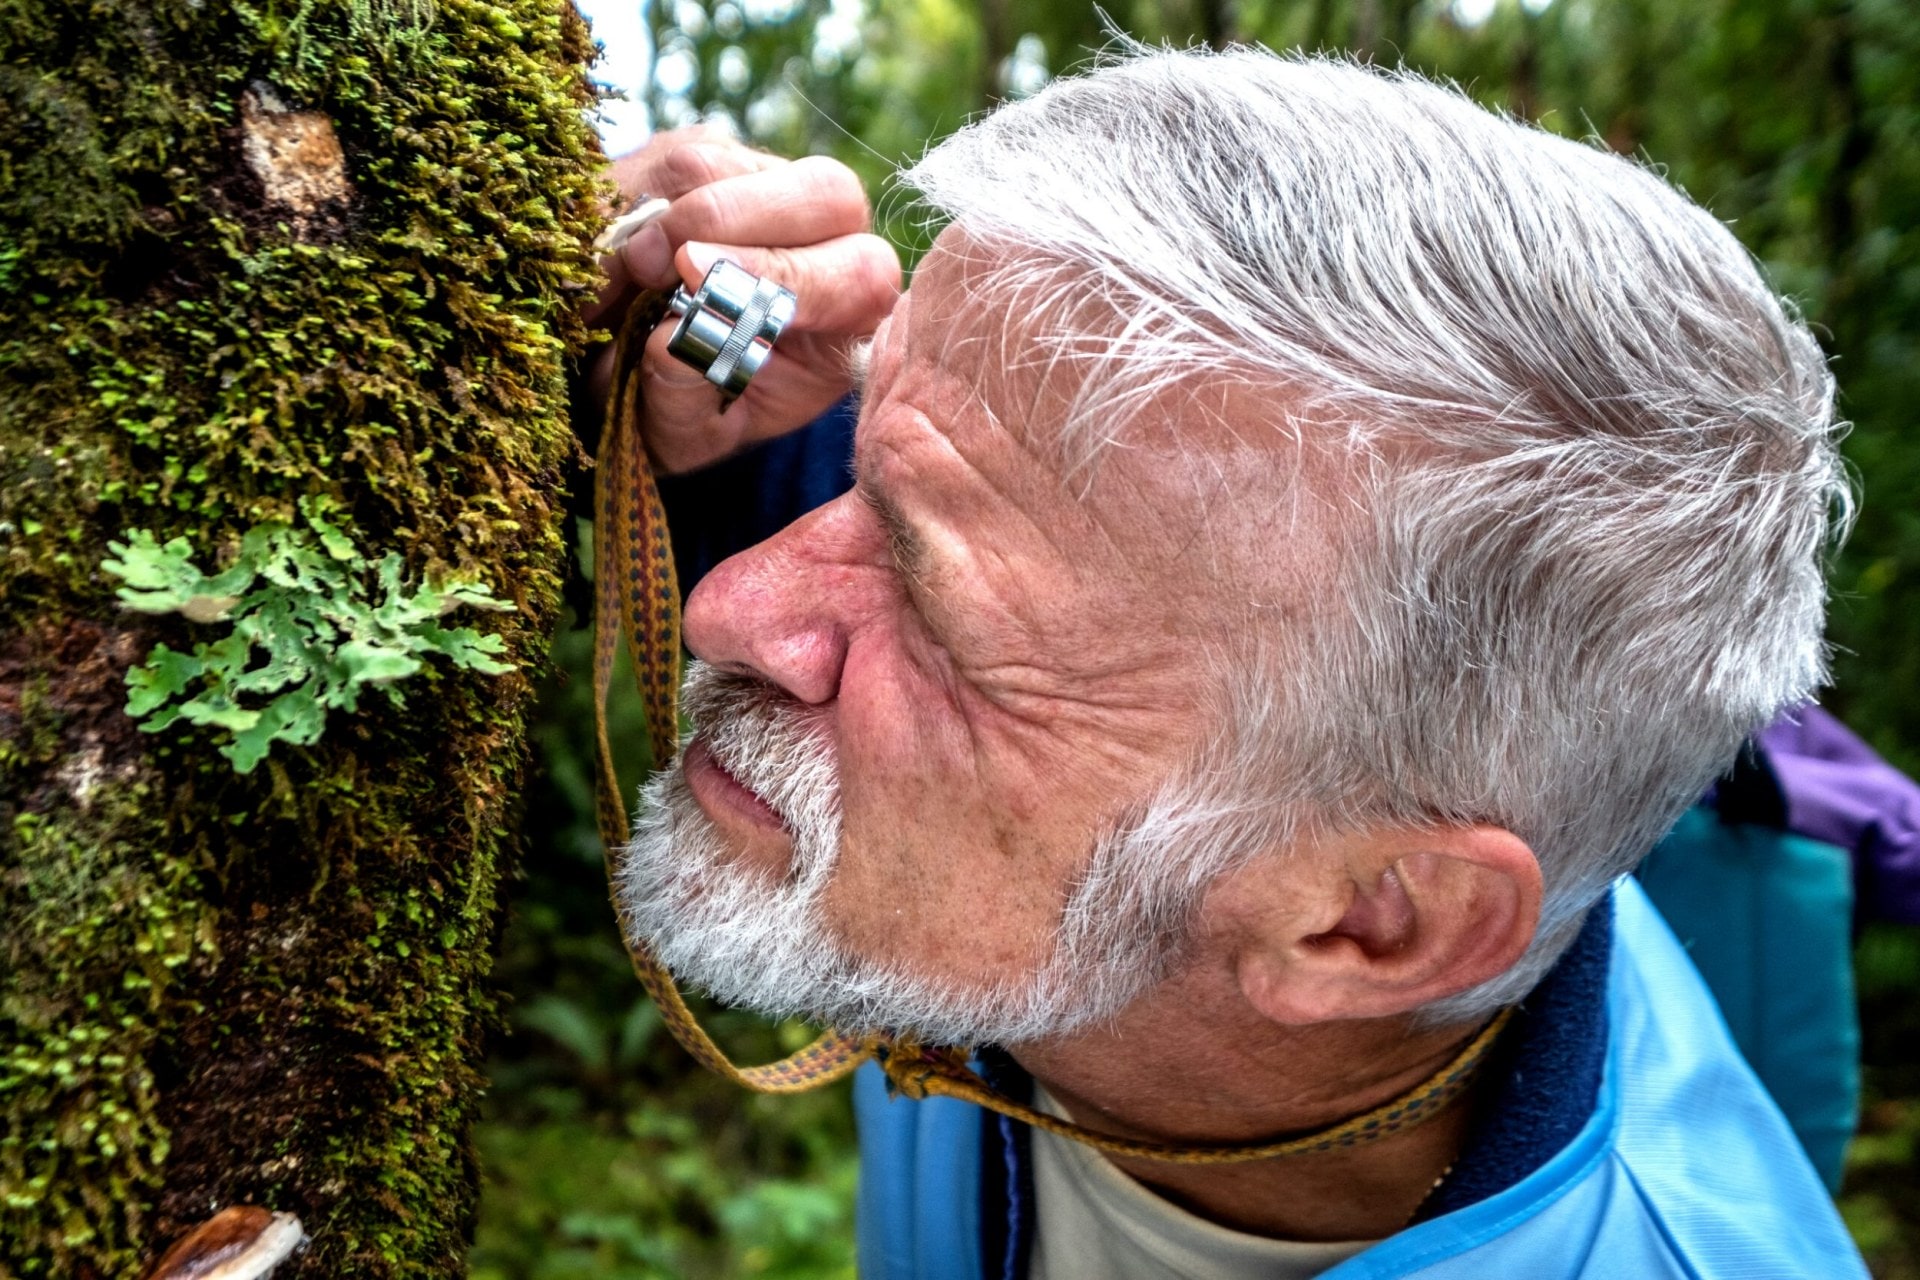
(752, 319)
(727, 329)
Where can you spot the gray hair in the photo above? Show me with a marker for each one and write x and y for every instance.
(1594, 458)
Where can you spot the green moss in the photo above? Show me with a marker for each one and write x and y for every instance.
(93, 944)
(272, 988)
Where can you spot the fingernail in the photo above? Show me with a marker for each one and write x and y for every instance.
(649, 258)
(700, 259)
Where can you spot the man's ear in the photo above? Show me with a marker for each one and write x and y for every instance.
(1406, 918)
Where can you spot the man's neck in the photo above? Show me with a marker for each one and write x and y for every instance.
(1192, 1064)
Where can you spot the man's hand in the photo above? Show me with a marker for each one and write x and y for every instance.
(802, 223)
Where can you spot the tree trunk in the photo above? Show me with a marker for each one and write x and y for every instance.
(1366, 29)
(1319, 26)
(1219, 22)
(277, 271)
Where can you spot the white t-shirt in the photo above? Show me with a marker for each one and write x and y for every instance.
(1093, 1222)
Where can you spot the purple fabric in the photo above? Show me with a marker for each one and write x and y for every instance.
(1837, 790)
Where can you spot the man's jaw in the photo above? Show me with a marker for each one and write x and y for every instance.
(727, 875)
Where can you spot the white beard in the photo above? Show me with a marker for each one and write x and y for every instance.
(765, 945)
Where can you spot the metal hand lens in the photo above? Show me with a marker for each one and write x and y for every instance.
(727, 329)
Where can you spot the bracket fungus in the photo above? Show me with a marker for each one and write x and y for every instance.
(241, 1242)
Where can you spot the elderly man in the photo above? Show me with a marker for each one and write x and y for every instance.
(1308, 538)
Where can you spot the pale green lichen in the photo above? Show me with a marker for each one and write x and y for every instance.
(310, 626)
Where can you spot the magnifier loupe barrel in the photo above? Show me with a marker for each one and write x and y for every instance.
(728, 328)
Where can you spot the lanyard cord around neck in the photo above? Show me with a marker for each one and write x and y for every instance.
(636, 592)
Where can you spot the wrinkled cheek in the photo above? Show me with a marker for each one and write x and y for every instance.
(909, 784)
(934, 876)
(948, 910)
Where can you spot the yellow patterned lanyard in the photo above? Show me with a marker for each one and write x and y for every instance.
(637, 592)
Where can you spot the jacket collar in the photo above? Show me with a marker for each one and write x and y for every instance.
(1540, 1089)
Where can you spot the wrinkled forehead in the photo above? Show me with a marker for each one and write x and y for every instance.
(1037, 341)
(1212, 469)
(999, 324)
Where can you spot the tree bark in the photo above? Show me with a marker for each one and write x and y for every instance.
(251, 257)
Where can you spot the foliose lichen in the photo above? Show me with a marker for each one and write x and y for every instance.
(308, 625)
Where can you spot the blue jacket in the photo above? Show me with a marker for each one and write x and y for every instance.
(1625, 1137)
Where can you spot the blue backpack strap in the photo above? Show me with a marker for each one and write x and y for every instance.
(1007, 1202)
(1758, 883)
(918, 1211)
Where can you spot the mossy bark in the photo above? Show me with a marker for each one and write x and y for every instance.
(250, 253)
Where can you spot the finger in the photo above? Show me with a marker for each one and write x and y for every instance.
(797, 385)
(674, 163)
(668, 168)
(671, 164)
(845, 285)
(781, 400)
(616, 294)
(647, 259)
(812, 199)
(686, 168)
(617, 289)
(795, 204)
(685, 425)
(682, 421)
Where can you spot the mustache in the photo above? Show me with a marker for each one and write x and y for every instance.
(774, 745)
(709, 695)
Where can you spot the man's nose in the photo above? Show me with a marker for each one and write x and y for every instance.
(782, 610)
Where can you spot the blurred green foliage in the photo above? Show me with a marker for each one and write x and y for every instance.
(606, 1152)
(1796, 120)
(1882, 1195)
